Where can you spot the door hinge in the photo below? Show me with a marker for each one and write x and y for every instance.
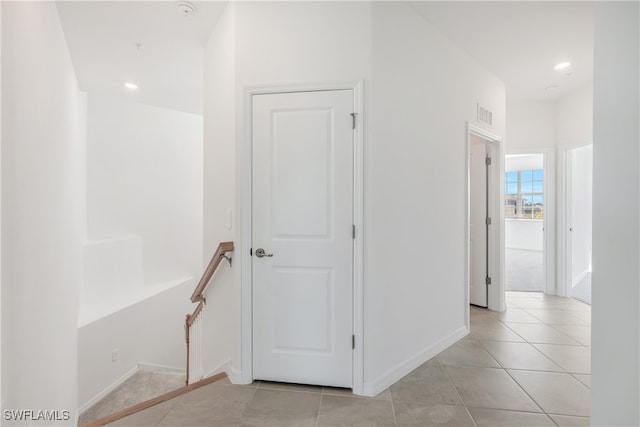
(353, 341)
(250, 251)
(487, 220)
(487, 280)
(487, 161)
(353, 231)
(353, 120)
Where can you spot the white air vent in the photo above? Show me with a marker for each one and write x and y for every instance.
(485, 116)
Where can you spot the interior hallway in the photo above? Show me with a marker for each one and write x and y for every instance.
(528, 366)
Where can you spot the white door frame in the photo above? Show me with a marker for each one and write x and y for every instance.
(244, 372)
(549, 220)
(496, 230)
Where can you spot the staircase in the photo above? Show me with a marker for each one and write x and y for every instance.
(146, 389)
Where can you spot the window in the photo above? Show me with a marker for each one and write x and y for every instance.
(524, 194)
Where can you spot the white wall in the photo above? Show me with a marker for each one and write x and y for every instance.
(524, 234)
(531, 128)
(531, 125)
(41, 210)
(550, 126)
(149, 332)
(144, 238)
(293, 43)
(574, 117)
(219, 189)
(420, 91)
(574, 127)
(144, 178)
(1, 276)
(615, 351)
(425, 89)
(523, 162)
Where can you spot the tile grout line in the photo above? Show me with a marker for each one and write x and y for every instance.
(253, 395)
(319, 407)
(393, 409)
(456, 389)
(527, 393)
(578, 344)
(554, 362)
(513, 379)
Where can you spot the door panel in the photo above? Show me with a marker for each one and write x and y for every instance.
(303, 215)
(477, 226)
(579, 210)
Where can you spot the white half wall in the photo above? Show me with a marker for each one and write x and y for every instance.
(41, 212)
(615, 351)
(149, 332)
(144, 178)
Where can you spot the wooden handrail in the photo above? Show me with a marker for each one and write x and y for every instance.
(221, 252)
(190, 319)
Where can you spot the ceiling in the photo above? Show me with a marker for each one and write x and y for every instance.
(521, 41)
(102, 38)
(151, 44)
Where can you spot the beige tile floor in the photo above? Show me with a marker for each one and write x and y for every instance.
(529, 366)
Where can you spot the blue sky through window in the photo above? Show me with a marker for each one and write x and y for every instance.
(524, 193)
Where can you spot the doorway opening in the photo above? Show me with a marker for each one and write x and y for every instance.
(484, 219)
(525, 213)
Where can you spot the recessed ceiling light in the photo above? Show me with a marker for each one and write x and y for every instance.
(562, 65)
(131, 86)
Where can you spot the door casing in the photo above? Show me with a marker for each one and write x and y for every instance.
(479, 194)
(496, 230)
(241, 369)
(549, 248)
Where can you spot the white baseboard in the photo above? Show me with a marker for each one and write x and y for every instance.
(150, 367)
(223, 367)
(235, 375)
(107, 390)
(372, 388)
(580, 278)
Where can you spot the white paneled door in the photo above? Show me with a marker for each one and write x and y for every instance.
(479, 248)
(302, 241)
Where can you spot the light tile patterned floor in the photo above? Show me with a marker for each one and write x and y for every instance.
(529, 366)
